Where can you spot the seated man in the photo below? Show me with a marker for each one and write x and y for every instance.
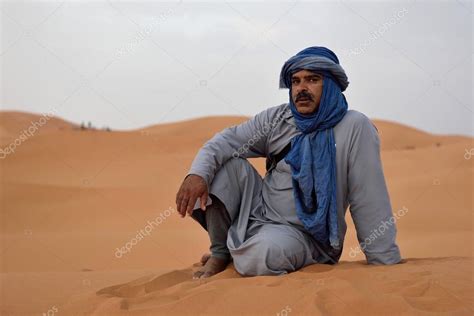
(321, 158)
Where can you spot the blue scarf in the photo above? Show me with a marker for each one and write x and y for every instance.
(313, 152)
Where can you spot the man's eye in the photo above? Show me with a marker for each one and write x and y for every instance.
(294, 81)
(314, 79)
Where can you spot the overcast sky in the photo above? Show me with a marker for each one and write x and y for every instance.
(131, 64)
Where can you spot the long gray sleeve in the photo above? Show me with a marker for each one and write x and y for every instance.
(368, 197)
(247, 140)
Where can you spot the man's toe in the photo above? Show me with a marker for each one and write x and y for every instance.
(207, 275)
(198, 274)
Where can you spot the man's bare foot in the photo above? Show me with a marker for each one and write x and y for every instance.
(211, 267)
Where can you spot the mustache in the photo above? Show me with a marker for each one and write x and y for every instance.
(304, 95)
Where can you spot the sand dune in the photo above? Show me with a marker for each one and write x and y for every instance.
(70, 198)
(395, 136)
(13, 123)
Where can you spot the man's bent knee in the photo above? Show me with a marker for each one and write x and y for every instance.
(266, 258)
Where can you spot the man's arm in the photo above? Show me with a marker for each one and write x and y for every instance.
(368, 196)
(245, 140)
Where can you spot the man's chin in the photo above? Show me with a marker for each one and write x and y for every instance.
(306, 109)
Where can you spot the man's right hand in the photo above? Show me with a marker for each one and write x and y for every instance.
(192, 188)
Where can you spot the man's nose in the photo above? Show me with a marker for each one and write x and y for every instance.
(301, 88)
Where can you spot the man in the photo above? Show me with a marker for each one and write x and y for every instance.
(321, 158)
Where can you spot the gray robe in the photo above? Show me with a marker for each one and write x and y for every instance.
(266, 237)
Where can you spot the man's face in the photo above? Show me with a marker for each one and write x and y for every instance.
(306, 91)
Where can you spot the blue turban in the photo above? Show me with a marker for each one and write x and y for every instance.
(312, 157)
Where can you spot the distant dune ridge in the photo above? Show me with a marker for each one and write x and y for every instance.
(70, 198)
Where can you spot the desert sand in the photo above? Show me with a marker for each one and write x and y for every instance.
(71, 198)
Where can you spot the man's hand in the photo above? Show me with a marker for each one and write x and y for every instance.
(192, 188)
